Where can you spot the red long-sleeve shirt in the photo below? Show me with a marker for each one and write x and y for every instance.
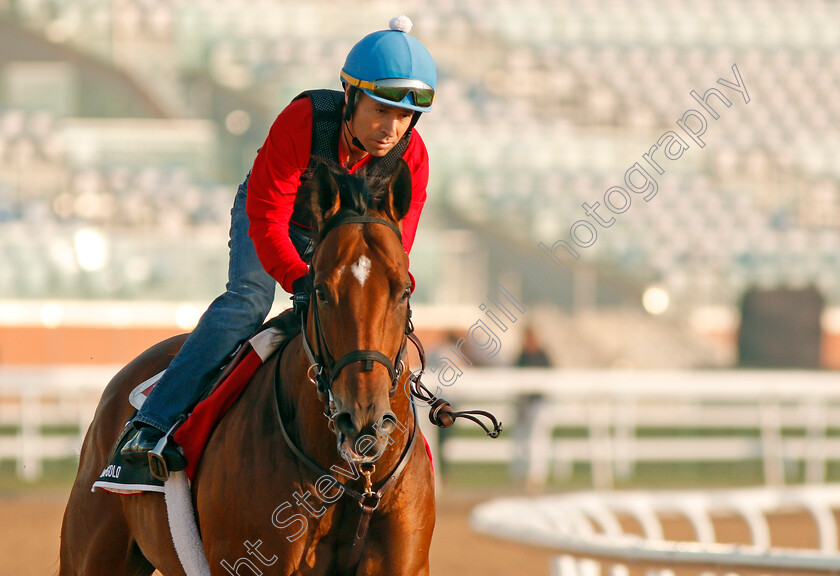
(275, 179)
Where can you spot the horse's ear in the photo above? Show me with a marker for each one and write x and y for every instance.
(325, 199)
(399, 191)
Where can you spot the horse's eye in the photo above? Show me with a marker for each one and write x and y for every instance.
(320, 295)
(406, 294)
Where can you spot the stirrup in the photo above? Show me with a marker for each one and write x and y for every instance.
(157, 463)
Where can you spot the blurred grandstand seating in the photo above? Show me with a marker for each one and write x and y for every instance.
(543, 105)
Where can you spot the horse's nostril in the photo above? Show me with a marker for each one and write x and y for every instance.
(344, 423)
(387, 424)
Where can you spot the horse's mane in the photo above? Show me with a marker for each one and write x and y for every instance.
(360, 193)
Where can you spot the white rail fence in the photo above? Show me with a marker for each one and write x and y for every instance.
(631, 417)
(45, 413)
(625, 418)
(587, 528)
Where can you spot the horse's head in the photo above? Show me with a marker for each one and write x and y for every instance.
(359, 306)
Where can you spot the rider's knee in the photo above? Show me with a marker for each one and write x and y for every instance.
(261, 300)
(255, 299)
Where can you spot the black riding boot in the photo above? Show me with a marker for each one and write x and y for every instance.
(135, 452)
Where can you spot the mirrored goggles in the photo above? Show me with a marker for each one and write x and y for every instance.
(396, 89)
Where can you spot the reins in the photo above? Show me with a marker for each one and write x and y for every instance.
(441, 413)
(324, 369)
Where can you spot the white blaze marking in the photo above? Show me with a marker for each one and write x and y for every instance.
(361, 269)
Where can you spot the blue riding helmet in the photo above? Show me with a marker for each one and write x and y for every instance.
(393, 68)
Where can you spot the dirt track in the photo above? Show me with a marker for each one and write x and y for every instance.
(29, 537)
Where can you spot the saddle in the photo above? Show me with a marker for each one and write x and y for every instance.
(193, 434)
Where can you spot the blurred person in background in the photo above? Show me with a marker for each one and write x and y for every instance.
(528, 406)
(389, 79)
(532, 354)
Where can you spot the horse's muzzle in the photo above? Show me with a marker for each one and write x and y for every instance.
(364, 445)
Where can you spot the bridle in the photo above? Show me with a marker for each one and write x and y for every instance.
(324, 369)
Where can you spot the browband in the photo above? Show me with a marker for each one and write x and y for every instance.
(350, 219)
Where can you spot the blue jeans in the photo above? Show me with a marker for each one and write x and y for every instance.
(230, 320)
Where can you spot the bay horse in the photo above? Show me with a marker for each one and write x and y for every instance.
(260, 502)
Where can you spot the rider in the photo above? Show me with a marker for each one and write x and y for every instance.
(389, 80)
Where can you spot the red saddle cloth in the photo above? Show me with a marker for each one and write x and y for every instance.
(193, 435)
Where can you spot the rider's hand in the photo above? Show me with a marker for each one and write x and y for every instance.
(300, 296)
